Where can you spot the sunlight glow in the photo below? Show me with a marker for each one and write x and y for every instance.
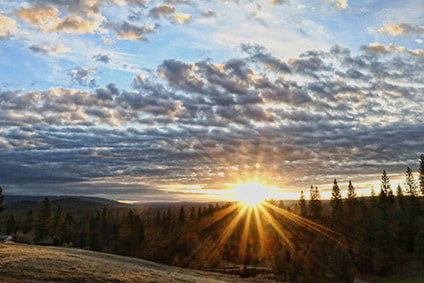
(251, 194)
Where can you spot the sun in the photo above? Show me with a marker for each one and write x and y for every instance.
(251, 194)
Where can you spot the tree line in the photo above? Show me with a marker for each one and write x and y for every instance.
(379, 234)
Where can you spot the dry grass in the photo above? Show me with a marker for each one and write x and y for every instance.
(27, 263)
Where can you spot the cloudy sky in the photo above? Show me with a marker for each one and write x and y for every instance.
(180, 99)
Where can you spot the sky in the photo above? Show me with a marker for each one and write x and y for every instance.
(181, 100)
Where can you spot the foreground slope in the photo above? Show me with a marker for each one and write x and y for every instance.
(27, 263)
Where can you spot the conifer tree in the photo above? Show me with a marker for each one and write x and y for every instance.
(28, 222)
(411, 185)
(157, 218)
(57, 221)
(336, 197)
(192, 214)
(399, 197)
(11, 225)
(421, 174)
(351, 205)
(1, 199)
(385, 186)
(302, 205)
(199, 212)
(351, 193)
(341, 265)
(419, 245)
(44, 221)
(315, 207)
(181, 217)
(373, 198)
(337, 206)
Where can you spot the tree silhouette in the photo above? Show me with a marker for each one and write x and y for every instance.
(337, 206)
(28, 222)
(181, 217)
(385, 186)
(315, 207)
(302, 205)
(421, 174)
(43, 226)
(411, 185)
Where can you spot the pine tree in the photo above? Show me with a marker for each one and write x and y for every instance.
(419, 245)
(11, 226)
(421, 174)
(411, 185)
(56, 223)
(400, 198)
(337, 206)
(373, 198)
(199, 212)
(28, 222)
(315, 207)
(341, 265)
(336, 197)
(351, 193)
(302, 205)
(157, 218)
(181, 217)
(43, 225)
(1, 199)
(192, 214)
(351, 205)
(386, 189)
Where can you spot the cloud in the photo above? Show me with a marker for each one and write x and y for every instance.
(48, 49)
(46, 18)
(208, 13)
(207, 123)
(277, 2)
(105, 58)
(340, 4)
(402, 29)
(81, 76)
(161, 10)
(7, 26)
(42, 17)
(128, 31)
(108, 41)
(182, 18)
(378, 48)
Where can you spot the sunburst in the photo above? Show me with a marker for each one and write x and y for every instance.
(251, 194)
(253, 209)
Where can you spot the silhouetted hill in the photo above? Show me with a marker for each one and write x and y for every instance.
(73, 205)
(19, 198)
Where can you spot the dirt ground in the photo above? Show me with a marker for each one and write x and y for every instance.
(27, 263)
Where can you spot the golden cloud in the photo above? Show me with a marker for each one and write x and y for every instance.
(182, 18)
(7, 26)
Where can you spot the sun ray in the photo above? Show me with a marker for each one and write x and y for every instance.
(245, 235)
(228, 232)
(276, 227)
(262, 239)
(208, 221)
(313, 226)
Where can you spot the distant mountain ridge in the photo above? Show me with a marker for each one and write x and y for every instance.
(8, 199)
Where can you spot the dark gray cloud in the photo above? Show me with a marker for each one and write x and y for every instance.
(105, 58)
(161, 10)
(207, 123)
(82, 77)
(129, 31)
